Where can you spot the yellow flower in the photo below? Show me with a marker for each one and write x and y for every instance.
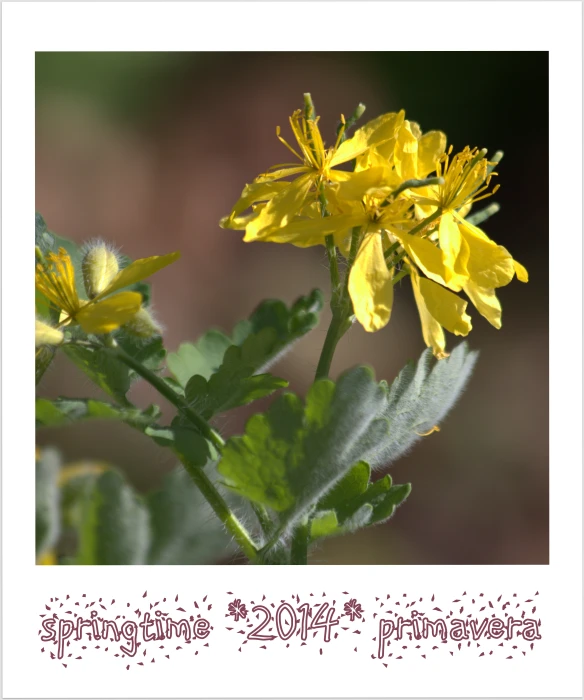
(370, 281)
(103, 313)
(412, 154)
(467, 253)
(420, 231)
(317, 167)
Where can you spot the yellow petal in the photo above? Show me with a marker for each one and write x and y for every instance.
(489, 265)
(48, 558)
(280, 173)
(370, 285)
(108, 314)
(256, 192)
(280, 210)
(138, 271)
(450, 242)
(355, 186)
(431, 330)
(406, 153)
(520, 271)
(430, 147)
(486, 303)
(371, 134)
(429, 259)
(311, 232)
(447, 308)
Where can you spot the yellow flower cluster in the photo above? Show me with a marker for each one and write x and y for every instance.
(107, 308)
(401, 210)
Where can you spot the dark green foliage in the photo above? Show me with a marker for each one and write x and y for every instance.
(47, 500)
(356, 502)
(183, 526)
(65, 411)
(299, 454)
(266, 335)
(115, 524)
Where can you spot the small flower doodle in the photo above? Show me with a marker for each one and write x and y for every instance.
(353, 609)
(238, 610)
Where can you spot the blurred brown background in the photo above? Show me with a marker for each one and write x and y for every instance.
(149, 150)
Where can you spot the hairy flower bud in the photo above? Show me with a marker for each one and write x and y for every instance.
(46, 335)
(99, 266)
(143, 325)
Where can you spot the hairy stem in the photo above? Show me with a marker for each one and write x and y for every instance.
(195, 471)
(219, 506)
(175, 399)
(263, 518)
(299, 548)
(338, 327)
(339, 323)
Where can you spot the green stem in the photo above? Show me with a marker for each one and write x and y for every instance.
(263, 517)
(355, 238)
(339, 323)
(426, 222)
(391, 250)
(175, 399)
(411, 184)
(195, 471)
(400, 275)
(299, 548)
(331, 252)
(338, 327)
(219, 506)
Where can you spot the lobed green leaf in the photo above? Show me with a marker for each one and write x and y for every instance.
(263, 338)
(115, 526)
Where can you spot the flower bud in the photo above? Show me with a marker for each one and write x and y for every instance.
(143, 325)
(99, 266)
(46, 335)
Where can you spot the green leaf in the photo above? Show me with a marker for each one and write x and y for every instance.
(292, 455)
(47, 518)
(64, 411)
(324, 524)
(111, 375)
(348, 488)
(420, 398)
(357, 503)
(203, 357)
(295, 454)
(149, 352)
(234, 384)
(184, 441)
(77, 483)
(42, 359)
(384, 506)
(264, 337)
(115, 527)
(184, 528)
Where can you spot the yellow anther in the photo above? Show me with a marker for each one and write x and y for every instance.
(434, 429)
